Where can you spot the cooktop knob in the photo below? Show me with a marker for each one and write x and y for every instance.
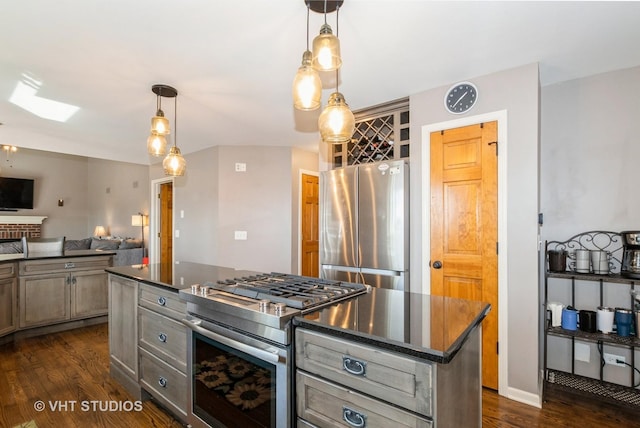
(280, 308)
(264, 304)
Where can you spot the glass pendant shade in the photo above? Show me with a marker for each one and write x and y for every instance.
(336, 122)
(156, 145)
(160, 124)
(307, 87)
(174, 164)
(326, 50)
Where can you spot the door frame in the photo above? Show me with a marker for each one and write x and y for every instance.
(298, 238)
(501, 117)
(154, 219)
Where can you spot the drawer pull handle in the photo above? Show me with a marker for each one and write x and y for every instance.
(162, 301)
(69, 265)
(162, 382)
(162, 337)
(355, 367)
(353, 418)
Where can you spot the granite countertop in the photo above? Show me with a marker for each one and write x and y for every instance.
(55, 255)
(419, 325)
(182, 275)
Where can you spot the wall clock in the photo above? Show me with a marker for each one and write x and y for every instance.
(461, 97)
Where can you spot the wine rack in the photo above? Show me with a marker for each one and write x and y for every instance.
(381, 133)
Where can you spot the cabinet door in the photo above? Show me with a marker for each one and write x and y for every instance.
(8, 306)
(123, 325)
(89, 293)
(44, 299)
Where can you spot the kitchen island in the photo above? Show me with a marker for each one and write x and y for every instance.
(410, 358)
(363, 358)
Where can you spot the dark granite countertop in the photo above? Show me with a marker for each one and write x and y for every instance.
(55, 255)
(183, 274)
(419, 325)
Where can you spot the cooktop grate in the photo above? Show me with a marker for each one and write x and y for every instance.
(296, 291)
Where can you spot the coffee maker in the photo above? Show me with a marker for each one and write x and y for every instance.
(630, 254)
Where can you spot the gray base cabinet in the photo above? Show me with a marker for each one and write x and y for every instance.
(162, 341)
(62, 289)
(8, 299)
(147, 342)
(343, 383)
(123, 332)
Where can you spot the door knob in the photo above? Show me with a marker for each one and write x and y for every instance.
(437, 264)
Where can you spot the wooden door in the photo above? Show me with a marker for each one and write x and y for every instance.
(166, 231)
(464, 226)
(309, 228)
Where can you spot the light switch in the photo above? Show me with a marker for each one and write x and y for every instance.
(241, 167)
(176, 233)
(240, 235)
(181, 213)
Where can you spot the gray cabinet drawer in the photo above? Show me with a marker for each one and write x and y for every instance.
(390, 377)
(166, 384)
(164, 337)
(324, 404)
(163, 301)
(7, 270)
(45, 266)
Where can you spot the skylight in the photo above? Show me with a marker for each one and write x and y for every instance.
(25, 96)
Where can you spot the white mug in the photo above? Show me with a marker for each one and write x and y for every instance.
(556, 313)
(600, 262)
(581, 261)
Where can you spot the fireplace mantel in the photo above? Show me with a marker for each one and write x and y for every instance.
(22, 219)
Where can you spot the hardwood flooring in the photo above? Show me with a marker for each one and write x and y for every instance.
(72, 368)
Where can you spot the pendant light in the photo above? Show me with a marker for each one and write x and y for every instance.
(336, 122)
(307, 87)
(157, 142)
(326, 46)
(174, 164)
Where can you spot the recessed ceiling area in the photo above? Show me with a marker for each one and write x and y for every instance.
(233, 62)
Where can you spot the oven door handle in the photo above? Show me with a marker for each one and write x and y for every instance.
(269, 356)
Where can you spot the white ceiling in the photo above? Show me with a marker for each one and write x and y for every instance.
(233, 62)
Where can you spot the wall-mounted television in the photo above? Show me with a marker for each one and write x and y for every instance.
(16, 193)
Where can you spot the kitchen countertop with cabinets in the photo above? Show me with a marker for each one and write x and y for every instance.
(420, 325)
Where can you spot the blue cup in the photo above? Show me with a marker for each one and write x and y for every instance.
(623, 319)
(569, 319)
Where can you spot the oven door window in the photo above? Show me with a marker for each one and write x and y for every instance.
(232, 387)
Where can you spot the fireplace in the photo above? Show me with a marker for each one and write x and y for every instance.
(14, 227)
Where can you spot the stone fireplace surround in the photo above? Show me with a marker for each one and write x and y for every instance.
(14, 227)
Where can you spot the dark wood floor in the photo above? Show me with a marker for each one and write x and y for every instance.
(73, 366)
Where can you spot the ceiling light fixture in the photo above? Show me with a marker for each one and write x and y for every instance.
(174, 164)
(157, 142)
(307, 87)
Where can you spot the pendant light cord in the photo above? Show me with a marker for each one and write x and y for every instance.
(308, 26)
(325, 11)
(337, 34)
(175, 120)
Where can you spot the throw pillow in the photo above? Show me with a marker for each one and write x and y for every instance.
(104, 244)
(130, 243)
(77, 244)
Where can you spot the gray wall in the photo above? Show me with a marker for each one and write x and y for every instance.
(217, 201)
(80, 182)
(517, 92)
(118, 191)
(589, 152)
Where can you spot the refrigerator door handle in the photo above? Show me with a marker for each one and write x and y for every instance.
(341, 268)
(381, 272)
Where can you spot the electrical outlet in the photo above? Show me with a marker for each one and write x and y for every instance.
(613, 360)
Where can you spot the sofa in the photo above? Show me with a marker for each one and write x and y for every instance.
(128, 251)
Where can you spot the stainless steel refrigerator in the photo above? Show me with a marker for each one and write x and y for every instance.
(364, 224)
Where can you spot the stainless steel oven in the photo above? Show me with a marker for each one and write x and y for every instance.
(239, 355)
(236, 380)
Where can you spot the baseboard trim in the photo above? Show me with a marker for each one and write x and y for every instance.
(524, 397)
